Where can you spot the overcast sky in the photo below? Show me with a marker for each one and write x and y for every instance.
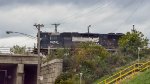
(105, 16)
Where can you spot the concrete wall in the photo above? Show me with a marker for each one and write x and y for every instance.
(51, 70)
(25, 69)
(19, 68)
(18, 59)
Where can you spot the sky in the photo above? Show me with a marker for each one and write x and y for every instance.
(104, 16)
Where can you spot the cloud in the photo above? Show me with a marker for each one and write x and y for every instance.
(17, 40)
(81, 3)
(74, 15)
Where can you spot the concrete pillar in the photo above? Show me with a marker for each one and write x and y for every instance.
(20, 74)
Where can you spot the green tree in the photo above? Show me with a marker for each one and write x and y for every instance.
(18, 50)
(57, 54)
(89, 58)
(130, 42)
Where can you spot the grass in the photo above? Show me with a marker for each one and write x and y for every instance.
(141, 78)
(107, 76)
(116, 71)
(147, 73)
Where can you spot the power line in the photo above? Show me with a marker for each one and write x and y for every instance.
(117, 12)
(97, 3)
(121, 9)
(130, 15)
(77, 15)
(89, 12)
(97, 9)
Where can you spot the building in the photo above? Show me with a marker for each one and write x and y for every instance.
(69, 39)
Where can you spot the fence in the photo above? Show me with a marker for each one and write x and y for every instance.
(131, 70)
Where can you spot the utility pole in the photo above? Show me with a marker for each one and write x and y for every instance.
(56, 25)
(89, 32)
(133, 28)
(89, 29)
(38, 26)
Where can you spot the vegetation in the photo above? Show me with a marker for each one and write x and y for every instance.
(92, 60)
(95, 62)
(131, 41)
(128, 50)
(18, 50)
(141, 78)
(89, 58)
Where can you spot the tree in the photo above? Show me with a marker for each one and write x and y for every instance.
(18, 50)
(89, 58)
(57, 54)
(130, 42)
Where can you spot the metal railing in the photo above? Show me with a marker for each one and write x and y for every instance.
(131, 70)
(7, 50)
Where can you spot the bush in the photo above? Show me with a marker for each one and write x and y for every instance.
(63, 77)
(67, 78)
